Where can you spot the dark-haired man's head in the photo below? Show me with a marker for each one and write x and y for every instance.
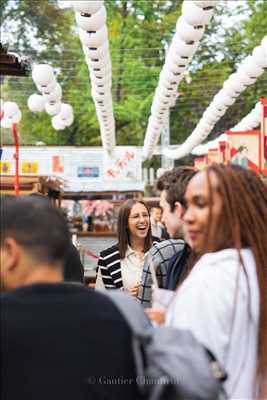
(172, 185)
(156, 213)
(34, 241)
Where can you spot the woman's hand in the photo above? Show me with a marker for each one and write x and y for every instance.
(155, 314)
(134, 290)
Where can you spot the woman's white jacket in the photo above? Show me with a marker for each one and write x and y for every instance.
(221, 308)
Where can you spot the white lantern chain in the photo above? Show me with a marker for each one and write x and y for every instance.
(249, 71)
(50, 98)
(91, 18)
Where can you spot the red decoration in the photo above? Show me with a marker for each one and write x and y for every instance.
(120, 164)
(111, 173)
(129, 156)
(16, 156)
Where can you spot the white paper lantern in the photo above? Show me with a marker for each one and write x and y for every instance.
(200, 134)
(100, 80)
(105, 107)
(6, 123)
(182, 48)
(69, 121)
(91, 22)
(154, 123)
(94, 39)
(175, 58)
(210, 117)
(169, 153)
(98, 62)
(87, 7)
(195, 15)
(165, 83)
(234, 82)
(57, 123)
(66, 111)
(259, 57)
(207, 3)
(188, 32)
(96, 52)
(36, 103)
(42, 74)
(258, 108)
(218, 110)
(251, 68)
(204, 126)
(52, 108)
(222, 99)
(107, 68)
(174, 68)
(166, 90)
(99, 87)
(55, 95)
(17, 117)
(47, 89)
(100, 96)
(229, 90)
(169, 76)
(254, 117)
(158, 108)
(10, 109)
(244, 78)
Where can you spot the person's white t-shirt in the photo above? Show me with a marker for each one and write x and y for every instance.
(217, 306)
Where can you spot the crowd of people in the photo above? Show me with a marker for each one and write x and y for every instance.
(63, 340)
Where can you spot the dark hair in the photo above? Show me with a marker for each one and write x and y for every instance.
(37, 226)
(123, 229)
(243, 223)
(241, 148)
(158, 207)
(175, 182)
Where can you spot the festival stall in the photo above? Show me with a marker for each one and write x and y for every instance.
(245, 147)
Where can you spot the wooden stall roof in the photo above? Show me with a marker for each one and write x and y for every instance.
(11, 64)
(99, 195)
(30, 184)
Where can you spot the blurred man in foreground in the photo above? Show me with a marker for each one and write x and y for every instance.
(58, 340)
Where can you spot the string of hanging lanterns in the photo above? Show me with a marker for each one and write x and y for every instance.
(250, 121)
(91, 19)
(190, 28)
(202, 149)
(50, 98)
(246, 75)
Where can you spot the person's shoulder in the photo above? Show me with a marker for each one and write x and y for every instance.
(226, 259)
(169, 243)
(8, 298)
(218, 271)
(112, 250)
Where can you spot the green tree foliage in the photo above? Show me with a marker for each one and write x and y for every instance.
(138, 34)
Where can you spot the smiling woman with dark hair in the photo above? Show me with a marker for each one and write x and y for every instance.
(223, 301)
(120, 266)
